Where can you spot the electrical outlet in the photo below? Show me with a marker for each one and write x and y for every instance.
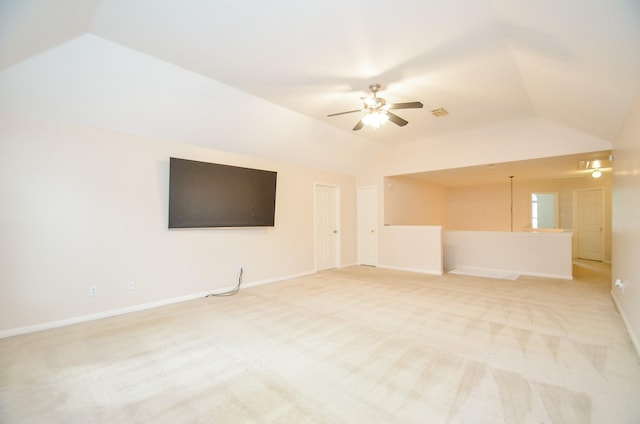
(240, 268)
(131, 285)
(93, 291)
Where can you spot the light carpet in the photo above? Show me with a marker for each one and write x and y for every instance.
(354, 345)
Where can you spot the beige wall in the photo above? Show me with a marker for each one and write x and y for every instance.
(83, 206)
(409, 201)
(480, 208)
(493, 202)
(626, 224)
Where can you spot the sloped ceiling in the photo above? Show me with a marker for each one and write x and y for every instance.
(576, 63)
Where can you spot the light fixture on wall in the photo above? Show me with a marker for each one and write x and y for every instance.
(595, 166)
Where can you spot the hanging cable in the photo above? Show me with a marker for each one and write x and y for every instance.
(511, 202)
(231, 292)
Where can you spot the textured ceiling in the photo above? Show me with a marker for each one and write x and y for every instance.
(576, 63)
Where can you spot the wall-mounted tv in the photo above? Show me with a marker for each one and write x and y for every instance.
(203, 194)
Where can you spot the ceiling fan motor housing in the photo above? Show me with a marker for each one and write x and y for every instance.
(374, 103)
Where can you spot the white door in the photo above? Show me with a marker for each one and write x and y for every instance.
(326, 227)
(590, 224)
(367, 225)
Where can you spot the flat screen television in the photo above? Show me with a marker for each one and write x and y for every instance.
(203, 194)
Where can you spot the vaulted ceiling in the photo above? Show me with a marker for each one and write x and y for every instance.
(487, 62)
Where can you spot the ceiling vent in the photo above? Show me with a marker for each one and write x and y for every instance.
(439, 112)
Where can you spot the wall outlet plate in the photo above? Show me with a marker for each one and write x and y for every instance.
(93, 291)
(131, 285)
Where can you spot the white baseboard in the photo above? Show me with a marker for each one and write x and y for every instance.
(421, 271)
(135, 308)
(633, 337)
(543, 275)
(275, 280)
(481, 272)
(98, 315)
(485, 272)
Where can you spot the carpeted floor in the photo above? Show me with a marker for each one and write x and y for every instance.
(355, 345)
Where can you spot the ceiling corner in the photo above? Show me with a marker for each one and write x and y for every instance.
(29, 27)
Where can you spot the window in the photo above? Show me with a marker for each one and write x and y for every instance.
(544, 210)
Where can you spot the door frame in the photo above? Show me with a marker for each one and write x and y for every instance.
(338, 238)
(359, 223)
(576, 221)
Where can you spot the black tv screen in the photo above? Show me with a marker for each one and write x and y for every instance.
(203, 194)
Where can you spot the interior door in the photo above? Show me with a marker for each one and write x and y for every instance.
(367, 225)
(326, 227)
(590, 224)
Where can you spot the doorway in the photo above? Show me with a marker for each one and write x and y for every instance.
(590, 223)
(544, 210)
(367, 225)
(326, 226)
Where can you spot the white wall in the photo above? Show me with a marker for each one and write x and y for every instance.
(518, 140)
(536, 254)
(626, 222)
(98, 83)
(411, 248)
(84, 206)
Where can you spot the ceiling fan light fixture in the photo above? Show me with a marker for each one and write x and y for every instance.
(376, 110)
(375, 118)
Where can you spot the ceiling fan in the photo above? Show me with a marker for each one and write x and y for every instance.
(377, 110)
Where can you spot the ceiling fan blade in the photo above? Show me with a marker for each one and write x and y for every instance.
(408, 105)
(343, 113)
(358, 126)
(396, 119)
